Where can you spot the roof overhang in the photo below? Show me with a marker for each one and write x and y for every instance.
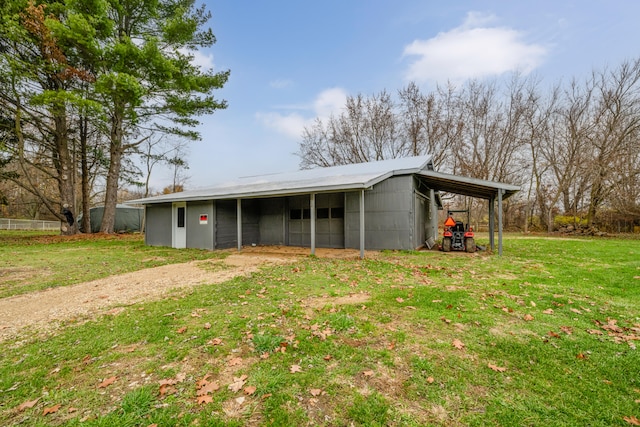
(465, 186)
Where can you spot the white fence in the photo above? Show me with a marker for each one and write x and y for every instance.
(28, 224)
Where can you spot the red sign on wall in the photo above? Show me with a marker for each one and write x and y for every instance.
(204, 218)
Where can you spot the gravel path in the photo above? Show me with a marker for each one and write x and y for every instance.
(42, 311)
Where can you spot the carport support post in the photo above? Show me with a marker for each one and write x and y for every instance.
(492, 213)
(500, 221)
(312, 206)
(361, 224)
(239, 222)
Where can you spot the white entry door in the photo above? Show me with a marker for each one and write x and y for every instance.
(179, 235)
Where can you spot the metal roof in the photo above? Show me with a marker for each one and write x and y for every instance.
(336, 178)
(473, 187)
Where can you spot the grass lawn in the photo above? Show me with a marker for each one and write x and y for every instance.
(545, 335)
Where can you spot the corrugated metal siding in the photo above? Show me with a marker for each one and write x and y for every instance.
(389, 221)
(226, 224)
(272, 221)
(421, 204)
(250, 222)
(330, 230)
(200, 235)
(299, 228)
(158, 225)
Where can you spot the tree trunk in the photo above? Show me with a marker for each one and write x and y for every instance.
(65, 168)
(116, 152)
(84, 165)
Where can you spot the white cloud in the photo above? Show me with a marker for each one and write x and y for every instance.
(199, 59)
(473, 50)
(329, 101)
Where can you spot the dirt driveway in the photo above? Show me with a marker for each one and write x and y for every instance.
(42, 311)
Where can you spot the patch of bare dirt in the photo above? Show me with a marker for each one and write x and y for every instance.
(44, 310)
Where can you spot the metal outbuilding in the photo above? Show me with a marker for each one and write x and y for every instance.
(389, 204)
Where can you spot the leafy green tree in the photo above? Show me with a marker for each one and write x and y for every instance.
(146, 79)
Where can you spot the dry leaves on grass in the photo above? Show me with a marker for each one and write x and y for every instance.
(496, 368)
(204, 389)
(632, 420)
(238, 383)
(295, 368)
(458, 344)
(51, 409)
(107, 382)
(28, 404)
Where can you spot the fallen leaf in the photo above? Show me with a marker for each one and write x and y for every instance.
(166, 389)
(71, 410)
(496, 368)
(566, 329)
(533, 304)
(207, 325)
(594, 332)
(204, 381)
(367, 373)
(430, 380)
(249, 390)
(575, 310)
(240, 400)
(51, 409)
(315, 392)
(548, 311)
(216, 341)
(632, 420)
(295, 368)
(528, 317)
(553, 334)
(581, 356)
(400, 299)
(328, 357)
(205, 398)
(391, 345)
(107, 382)
(208, 388)
(182, 330)
(238, 383)
(458, 344)
(28, 404)
(235, 361)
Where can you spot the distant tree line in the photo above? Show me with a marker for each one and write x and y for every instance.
(574, 148)
(85, 87)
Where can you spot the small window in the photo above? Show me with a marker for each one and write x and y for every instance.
(295, 214)
(337, 212)
(181, 211)
(322, 213)
(306, 213)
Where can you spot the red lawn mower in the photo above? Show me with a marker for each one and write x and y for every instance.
(456, 236)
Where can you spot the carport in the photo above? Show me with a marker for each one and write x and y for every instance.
(478, 188)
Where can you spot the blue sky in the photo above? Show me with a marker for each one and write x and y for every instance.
(293, 61)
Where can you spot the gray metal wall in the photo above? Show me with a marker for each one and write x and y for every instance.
(250, 222)
(329, 220)
(200, 236)
(272, 221)
(158, 225)
(226, 220)
(299, 228)
(389, 221)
